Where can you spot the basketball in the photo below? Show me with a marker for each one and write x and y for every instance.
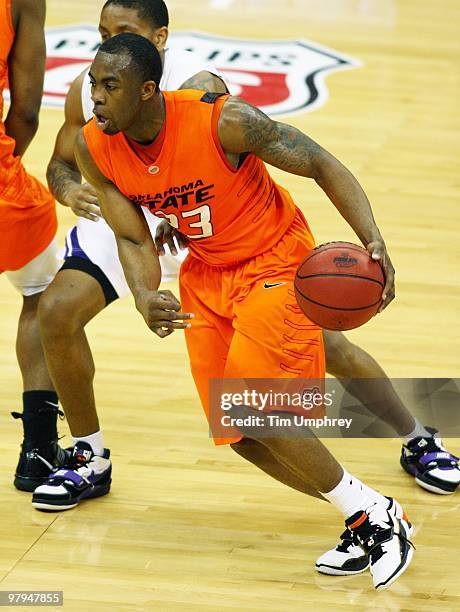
(339, 286)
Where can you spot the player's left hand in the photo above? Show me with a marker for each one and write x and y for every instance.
(378, 251)
(162, 312)
(166, 234)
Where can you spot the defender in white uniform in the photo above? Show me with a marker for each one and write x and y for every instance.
(92, 276)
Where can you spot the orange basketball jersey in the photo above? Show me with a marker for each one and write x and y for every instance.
(229, 215)
(27, 210)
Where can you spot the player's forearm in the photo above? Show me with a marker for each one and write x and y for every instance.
(22, 127)
(62, 177)
(348, 197)
(141, 266)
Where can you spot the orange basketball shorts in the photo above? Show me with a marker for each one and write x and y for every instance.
(28, 220)
(247, 323)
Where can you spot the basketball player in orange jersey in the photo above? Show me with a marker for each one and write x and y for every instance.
(92, 277)
(27, 226)
(208, 150)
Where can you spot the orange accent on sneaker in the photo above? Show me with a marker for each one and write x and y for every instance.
(359, 521)
(405, 517)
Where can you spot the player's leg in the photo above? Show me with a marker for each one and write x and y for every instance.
(423, 454)
(261, 456)
(90, 279)
(79, 292)
(349, 362)
(272, 339)
(40, 451)
(29, 350)
(74, 298)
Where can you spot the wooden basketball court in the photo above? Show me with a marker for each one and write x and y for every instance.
(191, 527)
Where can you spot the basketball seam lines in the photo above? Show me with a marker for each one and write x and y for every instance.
(338, 274)
(337, 308)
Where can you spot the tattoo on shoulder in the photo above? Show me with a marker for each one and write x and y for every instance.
(257, 129)
(280, 144)
(205, 81)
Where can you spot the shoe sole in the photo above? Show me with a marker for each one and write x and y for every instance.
(409, 552)
(433, 488)
(47, 506)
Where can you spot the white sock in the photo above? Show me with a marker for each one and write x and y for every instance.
(419, 431)
(351, 495)
(95, 440)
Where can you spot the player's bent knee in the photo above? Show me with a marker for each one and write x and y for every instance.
(69, 303)
(58, 314)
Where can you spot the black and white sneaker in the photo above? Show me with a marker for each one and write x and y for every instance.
(385, 540)
(85, 476)
(434, 468)
(348, 558)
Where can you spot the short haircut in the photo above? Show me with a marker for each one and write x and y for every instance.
(144, 56)
(154, 11)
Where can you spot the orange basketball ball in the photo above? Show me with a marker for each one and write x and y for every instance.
(339, 286)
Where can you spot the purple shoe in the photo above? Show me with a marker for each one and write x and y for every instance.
(85, 476)
(434, 468)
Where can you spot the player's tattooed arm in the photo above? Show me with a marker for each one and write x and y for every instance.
(61, 176)
(64, 178)
(244, 128)
(206, 81)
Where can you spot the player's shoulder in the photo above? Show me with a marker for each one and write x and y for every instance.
(235, 110)
(192, 97)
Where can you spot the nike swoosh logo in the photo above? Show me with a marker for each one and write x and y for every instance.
(51, 404)
(271, 285)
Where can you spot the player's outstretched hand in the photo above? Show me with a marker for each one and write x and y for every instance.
(378, 251)
(167, 234)
(162, 312)
(82, 199)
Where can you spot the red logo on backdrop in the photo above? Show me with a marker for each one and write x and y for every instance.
(278, 76)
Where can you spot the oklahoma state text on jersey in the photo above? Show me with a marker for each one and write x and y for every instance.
(229, 215)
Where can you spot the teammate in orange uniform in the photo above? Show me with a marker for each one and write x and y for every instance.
(27, 228)
(197, 160)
